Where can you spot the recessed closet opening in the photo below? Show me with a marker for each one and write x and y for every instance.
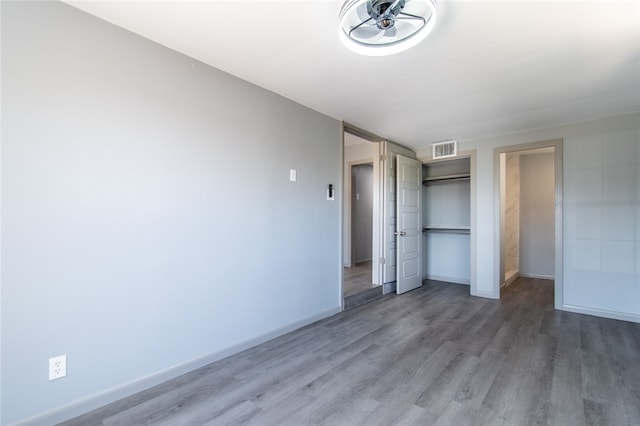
(446, 221)
(530, 195)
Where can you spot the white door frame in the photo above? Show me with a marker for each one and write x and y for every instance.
(345, 226)
(499, 224)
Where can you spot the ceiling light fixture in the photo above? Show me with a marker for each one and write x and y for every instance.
(385, 27)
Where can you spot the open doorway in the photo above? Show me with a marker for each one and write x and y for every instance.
(358, 276)
(360, 219)
(530, 214)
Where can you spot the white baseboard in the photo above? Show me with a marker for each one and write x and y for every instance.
(448, 279)
(537, 276)
(485, 294)
(98, 400)
(511, 278)
(602, 313)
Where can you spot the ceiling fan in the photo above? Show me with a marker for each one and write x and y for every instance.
(385, 27)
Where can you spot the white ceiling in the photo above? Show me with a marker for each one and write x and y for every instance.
(488, 68)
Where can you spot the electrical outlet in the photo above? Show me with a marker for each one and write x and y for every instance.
(57, 367)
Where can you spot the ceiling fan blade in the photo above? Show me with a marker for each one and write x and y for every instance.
(391, 32)
(362, 14)
(360, 25)
(366, 32)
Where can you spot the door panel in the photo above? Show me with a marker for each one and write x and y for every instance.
(409, 224)
(411, 269)
(389, 255)
(410, 197)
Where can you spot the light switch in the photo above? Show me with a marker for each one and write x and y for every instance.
(331, 194)
(293, 175)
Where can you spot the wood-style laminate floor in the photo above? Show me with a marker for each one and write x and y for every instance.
(357, 288)
(433, 356)
(357, 279)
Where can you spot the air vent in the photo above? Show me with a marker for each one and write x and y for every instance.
(445, 149)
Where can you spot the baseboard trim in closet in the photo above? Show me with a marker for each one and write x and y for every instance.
(463, 281)
(538, 276)
(511, 279)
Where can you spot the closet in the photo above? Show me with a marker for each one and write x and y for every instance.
(446, 221)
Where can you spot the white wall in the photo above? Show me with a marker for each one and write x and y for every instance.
(148, 222)
(601, 214)
(446, 257)
(446, 204)
(537, 215)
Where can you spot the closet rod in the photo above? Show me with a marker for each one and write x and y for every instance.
(447, 230)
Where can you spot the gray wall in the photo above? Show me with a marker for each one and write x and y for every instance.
(600, 214)
(362, 202)
(446, 204)
(537, 215)
(147, 216)
(602, 217)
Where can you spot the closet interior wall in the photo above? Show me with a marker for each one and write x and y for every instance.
(446, 221)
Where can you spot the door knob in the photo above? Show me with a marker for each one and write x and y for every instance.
(401, 233)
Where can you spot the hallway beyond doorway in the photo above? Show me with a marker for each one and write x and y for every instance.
(357, 287)
(357, 279)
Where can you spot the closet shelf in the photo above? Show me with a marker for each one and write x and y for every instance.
(447, 230)
(446, 178)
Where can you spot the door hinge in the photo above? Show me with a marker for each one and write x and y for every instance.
(382, 260)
